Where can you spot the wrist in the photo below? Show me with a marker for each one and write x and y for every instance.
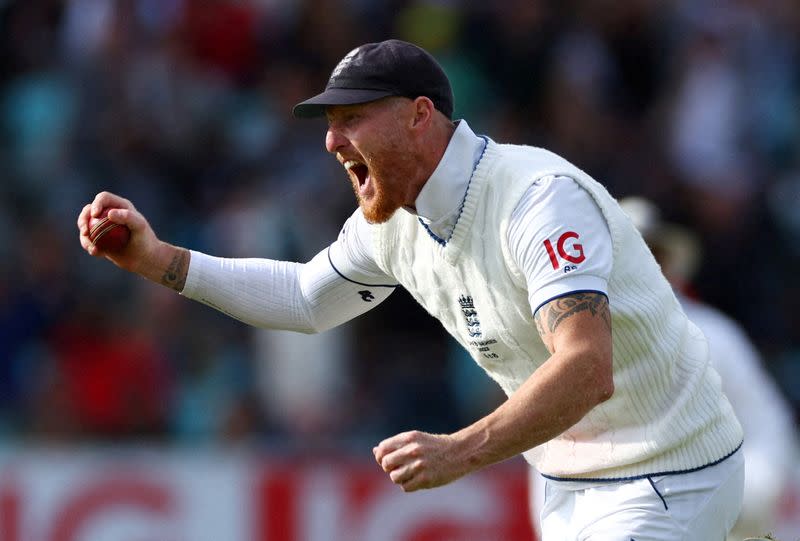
(470, 447)
(176, 269)
(167, 265)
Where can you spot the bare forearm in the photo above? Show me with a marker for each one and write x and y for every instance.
(168, 266)
(554, 399)
(542, 408)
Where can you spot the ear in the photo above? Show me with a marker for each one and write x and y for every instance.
(423, 112)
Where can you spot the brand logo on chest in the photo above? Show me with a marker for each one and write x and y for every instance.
(470, 316)
(477, 341)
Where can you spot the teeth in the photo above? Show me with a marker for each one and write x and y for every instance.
(350, 164)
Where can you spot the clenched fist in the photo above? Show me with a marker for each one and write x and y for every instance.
(416, 460)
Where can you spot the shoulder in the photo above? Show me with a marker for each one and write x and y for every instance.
(531, 158)
(553, 196)
(357, 236)
(353, 254)
(355, 228)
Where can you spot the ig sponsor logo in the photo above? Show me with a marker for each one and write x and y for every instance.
(572, 254)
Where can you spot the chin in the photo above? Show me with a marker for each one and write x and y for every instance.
(377, 213)
(377, 218)
(381, 205)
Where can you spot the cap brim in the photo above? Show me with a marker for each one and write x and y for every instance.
(315, 107)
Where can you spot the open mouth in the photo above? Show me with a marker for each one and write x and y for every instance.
(360, 172)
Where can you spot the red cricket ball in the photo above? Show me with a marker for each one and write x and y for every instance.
(107, 235)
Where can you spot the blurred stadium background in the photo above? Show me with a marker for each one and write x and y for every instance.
(130, 414)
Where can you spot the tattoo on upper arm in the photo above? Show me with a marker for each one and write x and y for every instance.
(551, 315)
(175, 275)
(537, 317)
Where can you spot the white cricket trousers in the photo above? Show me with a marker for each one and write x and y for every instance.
(697, 506)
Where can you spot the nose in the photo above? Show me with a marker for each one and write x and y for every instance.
(335, 141)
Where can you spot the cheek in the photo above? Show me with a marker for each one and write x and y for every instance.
(393, 159)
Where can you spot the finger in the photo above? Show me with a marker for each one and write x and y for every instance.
(90, 247)
(105, 200)
(392, 461)
(128, 217)
(391, 444)
(401, 476)
(83, 219)
(400, 456)
(85, 242)
(83, 228)
(382, 449)
(416, 482)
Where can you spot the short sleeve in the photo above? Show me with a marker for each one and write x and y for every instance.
(560, 240)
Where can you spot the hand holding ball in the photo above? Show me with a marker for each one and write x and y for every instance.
(107, 235)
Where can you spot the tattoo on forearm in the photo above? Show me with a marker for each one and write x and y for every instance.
(175, 276)
(560, 309)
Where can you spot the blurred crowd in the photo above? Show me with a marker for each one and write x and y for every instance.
(183, 106)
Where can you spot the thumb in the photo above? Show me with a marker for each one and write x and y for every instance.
(127, 217)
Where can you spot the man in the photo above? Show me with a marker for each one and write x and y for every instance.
(770, 445)
(529, 264)
(769, 448)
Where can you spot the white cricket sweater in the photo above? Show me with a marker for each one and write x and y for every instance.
(667, 413)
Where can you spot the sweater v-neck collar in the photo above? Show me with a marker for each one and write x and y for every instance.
(451, 248)
(439, 202)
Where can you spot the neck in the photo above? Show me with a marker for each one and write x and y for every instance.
(430, 152)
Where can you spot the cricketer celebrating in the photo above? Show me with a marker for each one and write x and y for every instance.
(530, 264)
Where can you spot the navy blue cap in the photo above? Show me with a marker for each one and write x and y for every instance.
(377, 70)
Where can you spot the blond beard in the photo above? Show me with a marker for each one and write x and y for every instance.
(388, 197)
(398, 159)
(380, 208)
